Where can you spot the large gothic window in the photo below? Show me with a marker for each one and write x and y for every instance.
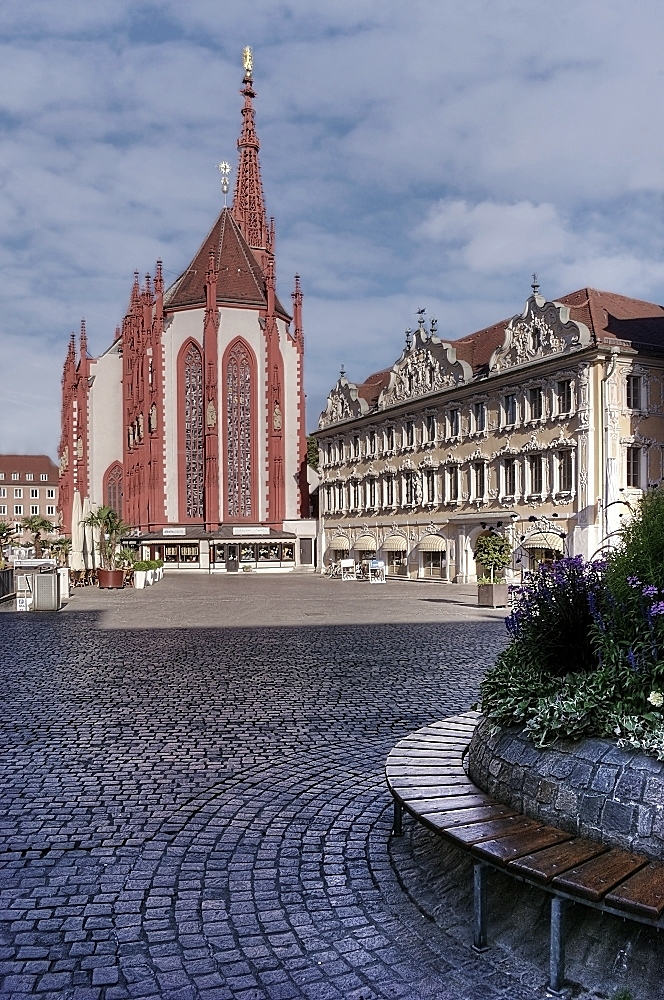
(114, 489)
(194, 434)
(239, 432)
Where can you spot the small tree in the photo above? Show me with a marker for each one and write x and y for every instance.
(312, 452)
(7, 532)
(61, 547)
(111, 529)
(37, 526)
(494, 552)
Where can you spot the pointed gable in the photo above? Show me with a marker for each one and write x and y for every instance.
(240, 279)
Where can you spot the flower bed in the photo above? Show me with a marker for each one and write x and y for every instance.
(586, 650)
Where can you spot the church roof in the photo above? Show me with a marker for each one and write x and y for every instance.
(240, 279)
(612, 320)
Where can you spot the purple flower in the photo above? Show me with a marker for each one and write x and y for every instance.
(633, 581)
(650, 591)
(657, 608)
(631, 659)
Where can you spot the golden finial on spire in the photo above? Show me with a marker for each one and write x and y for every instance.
(248, 60)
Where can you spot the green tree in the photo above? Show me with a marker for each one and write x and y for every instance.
(61, 548)
(6, 534)
(494, 552)
(37, 526)
(111, 529)
(312, 452)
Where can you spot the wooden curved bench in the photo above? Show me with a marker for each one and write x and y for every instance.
(426, 777)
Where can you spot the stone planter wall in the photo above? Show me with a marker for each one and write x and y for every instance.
(590, 788)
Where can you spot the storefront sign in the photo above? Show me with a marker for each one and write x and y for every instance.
(174, 532)
(242, 530)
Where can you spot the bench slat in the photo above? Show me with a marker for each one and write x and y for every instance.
(595, 878)
(546, 864)
(492, 830)
(505, 849)
(450, 803)
(429, 788)
(643, 893)
(448, 819)
(442, 771)
(419, 755)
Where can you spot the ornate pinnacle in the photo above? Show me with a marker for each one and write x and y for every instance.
(224, 169)
(248, 62)
(535, 285)
(409, 338)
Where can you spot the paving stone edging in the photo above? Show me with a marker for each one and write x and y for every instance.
(590, 787)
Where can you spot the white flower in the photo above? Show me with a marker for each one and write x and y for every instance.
(656, 698)
(617, 730)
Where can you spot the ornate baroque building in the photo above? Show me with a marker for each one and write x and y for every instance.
(192, 424)
(544, 427)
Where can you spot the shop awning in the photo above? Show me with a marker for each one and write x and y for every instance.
(365, 543)
(340, 543)
(543, 540)
(432, 543)
(394, 543)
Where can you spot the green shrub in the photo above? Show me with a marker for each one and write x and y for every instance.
(141, 566)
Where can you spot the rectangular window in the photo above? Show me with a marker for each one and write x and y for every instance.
(453, 482)
(430, 427)
(410, 433)
(431, 486)
(372, 492)
(509, 469)
(634, 468)
(29, 477)
(389, 438)
(564, 394)
(453, 422)
(479, 477)
(535, 396)
(409, 485)
(389, 491)
(18, 493)
(328, 498)
(44, 477)
(509, 408)
(34, 508)
(3, 509)
(14, 476)
(50, 510)
(356, 447)
(3, 491)
(356, 495)
(34, 494)
(340, 496)
(565, 471)
(633, 392)
(2, 475)
(479, 416)
(535, 470)
(18, 510)
(372, 443)
(50, 494)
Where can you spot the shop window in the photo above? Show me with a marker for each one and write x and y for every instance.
(268, 552)
(247, 553)
(188, 553)
(288, 552)
(170, 553)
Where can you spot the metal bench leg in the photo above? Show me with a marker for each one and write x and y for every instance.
(480, 875)
(557, 949)
(397, 826)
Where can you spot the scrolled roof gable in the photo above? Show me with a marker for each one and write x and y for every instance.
(542, 329)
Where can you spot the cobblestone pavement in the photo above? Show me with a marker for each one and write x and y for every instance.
(192, 800)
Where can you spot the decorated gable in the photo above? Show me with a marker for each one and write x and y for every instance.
(343, 403)
(544, 328)
(426, 365)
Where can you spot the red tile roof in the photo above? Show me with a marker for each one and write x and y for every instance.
(611, 318)
(240, 280)
(36, 464)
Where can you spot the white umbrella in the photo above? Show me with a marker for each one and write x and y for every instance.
(76, 552)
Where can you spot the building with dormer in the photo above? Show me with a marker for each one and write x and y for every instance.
(192, 424)
(544, 427)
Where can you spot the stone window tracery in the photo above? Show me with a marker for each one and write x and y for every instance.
(194, 433)
(240, 432)
(114, 489)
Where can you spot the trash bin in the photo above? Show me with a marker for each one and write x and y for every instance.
(46, 592)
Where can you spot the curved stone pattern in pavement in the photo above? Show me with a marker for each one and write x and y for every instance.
(202, 812)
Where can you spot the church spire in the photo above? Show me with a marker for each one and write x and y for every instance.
(248, 205)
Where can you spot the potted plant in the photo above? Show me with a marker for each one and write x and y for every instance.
(494, 552)
(140, 574)
(111, 529)
(37, 526)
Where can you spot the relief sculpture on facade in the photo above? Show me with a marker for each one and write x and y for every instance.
(544, 328)
(427, 364)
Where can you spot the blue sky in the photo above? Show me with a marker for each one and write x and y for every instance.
(425, 154)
